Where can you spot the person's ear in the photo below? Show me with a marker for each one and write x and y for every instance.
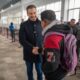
(43, 23)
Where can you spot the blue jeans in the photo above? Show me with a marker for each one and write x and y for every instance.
(38, 67)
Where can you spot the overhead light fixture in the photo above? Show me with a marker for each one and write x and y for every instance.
(11, 5)
(2, 10)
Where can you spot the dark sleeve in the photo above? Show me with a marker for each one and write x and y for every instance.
(61, 49)
(52, 52)
(75, 30)
(22, 37)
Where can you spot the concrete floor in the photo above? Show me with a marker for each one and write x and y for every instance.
(12, 66)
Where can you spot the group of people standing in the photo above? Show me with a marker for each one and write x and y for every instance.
(31, 37)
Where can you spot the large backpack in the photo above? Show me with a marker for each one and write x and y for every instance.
(69, 58)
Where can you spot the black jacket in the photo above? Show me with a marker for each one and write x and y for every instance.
(55, 71)
(73, 29)
(28, 39)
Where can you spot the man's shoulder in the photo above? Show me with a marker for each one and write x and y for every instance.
(39, 21)
(24, 23)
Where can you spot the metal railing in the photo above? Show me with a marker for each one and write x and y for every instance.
(6, 32)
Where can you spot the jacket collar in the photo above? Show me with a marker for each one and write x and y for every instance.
(33, 21)
(50, 26)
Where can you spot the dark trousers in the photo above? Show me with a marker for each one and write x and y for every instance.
(13, 36)
(59, 74)
(38, 67)
(78, 47)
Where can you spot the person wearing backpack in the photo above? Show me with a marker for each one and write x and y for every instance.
(55, 65)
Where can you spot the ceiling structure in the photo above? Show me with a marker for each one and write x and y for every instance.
(7, 9)
(6, 3)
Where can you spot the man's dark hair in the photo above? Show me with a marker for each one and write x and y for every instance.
(72, 19)
(48, 15)
(30, 7)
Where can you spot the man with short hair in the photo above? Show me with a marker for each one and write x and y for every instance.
(30, 38)
(53, 46)
(72, 25)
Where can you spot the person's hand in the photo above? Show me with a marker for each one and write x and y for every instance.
(35, 50)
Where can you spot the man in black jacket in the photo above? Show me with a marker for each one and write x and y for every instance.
(30, 38)
(72, 25)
